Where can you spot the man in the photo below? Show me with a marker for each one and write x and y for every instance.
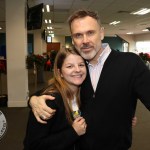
(109, 94)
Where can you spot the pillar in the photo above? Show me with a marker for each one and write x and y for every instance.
(16, 49)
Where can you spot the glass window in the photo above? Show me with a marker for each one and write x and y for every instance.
(143, 46)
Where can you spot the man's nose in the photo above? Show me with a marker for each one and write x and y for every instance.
(85, 39)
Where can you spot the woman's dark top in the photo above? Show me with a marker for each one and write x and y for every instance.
(57, 134)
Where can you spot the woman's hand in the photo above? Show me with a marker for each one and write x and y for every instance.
(41, 111)
(134, 121)
(79, 125)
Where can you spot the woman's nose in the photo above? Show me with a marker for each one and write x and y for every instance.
(77, 68)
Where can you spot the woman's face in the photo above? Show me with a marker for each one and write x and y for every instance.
(73, 71)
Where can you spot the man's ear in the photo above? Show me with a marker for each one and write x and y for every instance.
(72, 42)
(102, 33)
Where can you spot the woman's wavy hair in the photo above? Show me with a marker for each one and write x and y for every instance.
(58, 84)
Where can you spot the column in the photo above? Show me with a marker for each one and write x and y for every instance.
(16, 49)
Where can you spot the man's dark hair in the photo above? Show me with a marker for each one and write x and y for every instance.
(83, 13)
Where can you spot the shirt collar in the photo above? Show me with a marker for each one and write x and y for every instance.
(105, 53)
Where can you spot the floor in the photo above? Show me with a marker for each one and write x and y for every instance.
(17, 119)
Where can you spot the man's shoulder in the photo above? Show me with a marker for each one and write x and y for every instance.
(129, 55)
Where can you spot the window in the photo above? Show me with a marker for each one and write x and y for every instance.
(48, 39)
(143, 46)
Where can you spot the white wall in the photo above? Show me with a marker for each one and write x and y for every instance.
(142, 37)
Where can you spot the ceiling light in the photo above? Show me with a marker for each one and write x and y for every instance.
(50, 31)
(114, 22)
(47, 8)
(0, 28)
(46, 21)
(142, 11)
(145, 30)
(49, 21)
(50, 28)
(129, 33)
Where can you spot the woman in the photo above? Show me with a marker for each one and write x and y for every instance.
(64, 129)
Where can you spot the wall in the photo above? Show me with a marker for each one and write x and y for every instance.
(60, 39)
(142, 37)
(130, 39)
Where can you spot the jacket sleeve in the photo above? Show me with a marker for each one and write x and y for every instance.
(39, 136)
(142, 82)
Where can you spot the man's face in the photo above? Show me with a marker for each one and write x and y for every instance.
(87, 35)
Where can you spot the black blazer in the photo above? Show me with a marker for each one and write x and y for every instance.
(109, 111)
(57, 134)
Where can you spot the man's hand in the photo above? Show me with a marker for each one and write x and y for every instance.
(41, 111)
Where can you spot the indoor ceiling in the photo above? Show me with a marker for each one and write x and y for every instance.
(109, 11)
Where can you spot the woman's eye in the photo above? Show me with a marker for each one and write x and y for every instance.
(82, 65)
(68, 66)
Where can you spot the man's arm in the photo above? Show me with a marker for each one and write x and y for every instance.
(40, 110)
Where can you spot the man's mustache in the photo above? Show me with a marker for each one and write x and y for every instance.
(86, 46)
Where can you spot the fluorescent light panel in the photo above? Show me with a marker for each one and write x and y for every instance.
(49, 27)
(145, 30)
(48, 21)
(47, 8)
(50, 32)
(114, 22)
(142, 11)
(129, 33)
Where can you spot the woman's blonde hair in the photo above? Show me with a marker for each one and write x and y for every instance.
(58, 84)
